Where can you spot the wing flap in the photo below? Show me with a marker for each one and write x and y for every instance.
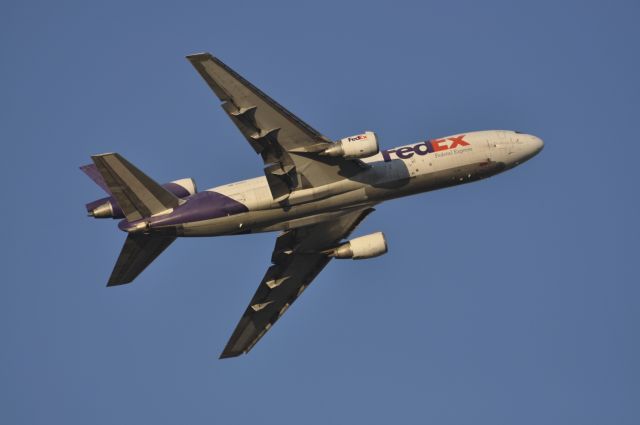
(297, 259)
(230, 86)
(269, 303)
(287, 144)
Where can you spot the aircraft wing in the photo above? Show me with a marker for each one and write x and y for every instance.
(288, 145)
(297, 259)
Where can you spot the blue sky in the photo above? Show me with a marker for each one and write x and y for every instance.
(511, 300)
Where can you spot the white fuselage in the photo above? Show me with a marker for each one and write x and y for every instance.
(392, 173)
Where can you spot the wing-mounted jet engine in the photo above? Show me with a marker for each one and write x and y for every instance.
(358, 146)
(368, 246)
(107, 207)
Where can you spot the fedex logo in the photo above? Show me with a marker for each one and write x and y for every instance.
(360, 137)
(430, 146)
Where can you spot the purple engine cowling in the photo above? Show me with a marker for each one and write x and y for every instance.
(108, 207)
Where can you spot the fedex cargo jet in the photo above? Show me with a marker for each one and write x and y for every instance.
(314, 191)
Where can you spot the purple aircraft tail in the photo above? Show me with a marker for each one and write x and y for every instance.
(136, 197)
(92, 171)
(107, 207)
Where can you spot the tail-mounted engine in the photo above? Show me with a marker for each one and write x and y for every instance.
(358, 146)
(368, 246)
(108, 207)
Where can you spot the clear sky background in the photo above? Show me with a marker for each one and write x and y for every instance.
(511, 300)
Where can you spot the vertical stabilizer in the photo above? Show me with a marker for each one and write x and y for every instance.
(92, 172)
(137, 194)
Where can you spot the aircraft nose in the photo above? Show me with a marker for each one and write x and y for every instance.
(531, 147)
(526, 147)
(536, 144)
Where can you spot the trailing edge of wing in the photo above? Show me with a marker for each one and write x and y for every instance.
(297, 259)
(285, 142)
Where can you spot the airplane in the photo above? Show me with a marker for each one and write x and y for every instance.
(314, 191)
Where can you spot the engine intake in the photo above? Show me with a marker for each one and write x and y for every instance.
(358, 146)
(368, 246)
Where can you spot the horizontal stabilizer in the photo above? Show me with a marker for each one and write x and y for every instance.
(137, 194)
(138, 252)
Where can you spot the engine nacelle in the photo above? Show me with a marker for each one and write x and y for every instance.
(368, 246)
(182, 188)
(109, 208)
(358, 146)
